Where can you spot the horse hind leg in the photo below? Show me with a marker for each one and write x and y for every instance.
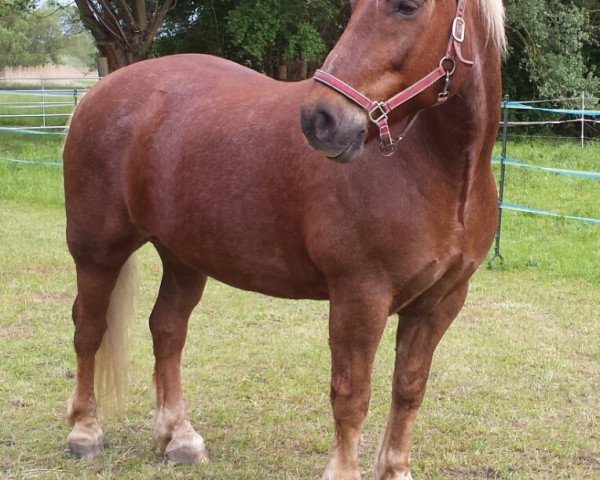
(100, 291)
(180, 290)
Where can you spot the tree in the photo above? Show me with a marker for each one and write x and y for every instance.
(196, 26)
(14, 7)
(273, 33)
(263, 34)
(28, 39)
(78, 47)
(124, 30)
(552, 49)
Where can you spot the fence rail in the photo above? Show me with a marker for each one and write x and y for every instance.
(41, 103)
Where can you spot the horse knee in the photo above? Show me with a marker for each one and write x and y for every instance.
(90, 325)
(408, 389)
(349, 404)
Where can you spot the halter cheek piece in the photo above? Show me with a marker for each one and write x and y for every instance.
(378, 111)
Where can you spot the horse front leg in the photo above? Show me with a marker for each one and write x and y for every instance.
(416, 341)
(357, 320)
(180, 291)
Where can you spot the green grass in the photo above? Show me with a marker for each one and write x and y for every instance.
(514, 390)
(33, 184)
(560, 247)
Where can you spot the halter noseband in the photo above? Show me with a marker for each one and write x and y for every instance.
(378, 111)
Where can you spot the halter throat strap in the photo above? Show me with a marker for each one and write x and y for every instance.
(378, 111)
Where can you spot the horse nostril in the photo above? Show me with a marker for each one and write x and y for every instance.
(324, 123)
(336, 133)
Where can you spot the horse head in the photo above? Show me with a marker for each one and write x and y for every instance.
(404, 54)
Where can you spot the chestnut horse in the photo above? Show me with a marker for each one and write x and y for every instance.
(209, 161)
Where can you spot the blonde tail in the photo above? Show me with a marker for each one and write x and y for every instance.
(111, 358)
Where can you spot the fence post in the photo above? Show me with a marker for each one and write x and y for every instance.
(582, 120)
(43, 104)
(74, 97)
(497, 254)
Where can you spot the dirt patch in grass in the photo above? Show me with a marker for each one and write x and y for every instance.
(54, 269)
(12, 333)
(589, 459)
(464, 472)
(55, 298)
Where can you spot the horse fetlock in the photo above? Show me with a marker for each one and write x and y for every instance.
(336, 471)
(78, 412)
(391, 466)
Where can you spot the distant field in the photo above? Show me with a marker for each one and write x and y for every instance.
(514, 390)
(48, 71)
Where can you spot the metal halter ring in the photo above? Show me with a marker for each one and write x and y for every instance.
(452, 69)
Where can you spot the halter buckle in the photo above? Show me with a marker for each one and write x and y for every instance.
(383, 114)
(458, 29)
(389, 149)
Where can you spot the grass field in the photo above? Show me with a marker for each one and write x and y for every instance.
(515, 385)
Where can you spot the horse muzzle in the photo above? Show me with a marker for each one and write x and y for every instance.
(337, 133)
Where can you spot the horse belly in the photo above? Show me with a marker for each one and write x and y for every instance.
(233, 228)
(249, 260)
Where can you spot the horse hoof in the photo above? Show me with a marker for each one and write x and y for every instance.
(85, 450)
(400, 476)
(85, 441)
(187, 454)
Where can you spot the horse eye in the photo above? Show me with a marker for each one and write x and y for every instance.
(406, 7)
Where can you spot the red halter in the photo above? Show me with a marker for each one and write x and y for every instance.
(378, 111)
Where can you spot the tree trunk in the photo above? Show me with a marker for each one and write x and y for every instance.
(116, 56)
(102, 66)
(124, 31)
(303, 70)
(282, 72)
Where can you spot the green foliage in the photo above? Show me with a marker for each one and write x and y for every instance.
(196, 26)
(551, 46)
(14, 6)
(45, 35)
(256, 25)
(78, 47)
(259, 33)
(273, 30)
(28, 40)
(306, 44)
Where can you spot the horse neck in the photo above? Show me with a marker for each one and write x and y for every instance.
(466, 126)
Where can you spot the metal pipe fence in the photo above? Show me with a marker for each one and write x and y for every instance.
(35, 104)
